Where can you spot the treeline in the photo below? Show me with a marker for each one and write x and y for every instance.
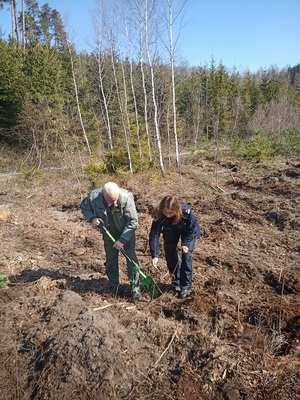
(127, 104)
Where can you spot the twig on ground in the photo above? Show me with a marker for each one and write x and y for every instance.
(166, 349)
(102, 307)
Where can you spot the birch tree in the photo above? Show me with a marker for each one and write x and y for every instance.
(171, 51)
(132, 87)
(141, 63)
(98, 23)
(78, 103)
(121, 107)
(23, 25)
(14, 21)
(150, 62)
(124, 104)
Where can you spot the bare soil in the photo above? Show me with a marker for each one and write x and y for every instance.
(63, 336)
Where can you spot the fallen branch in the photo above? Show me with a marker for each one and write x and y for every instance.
(102, 307)
(166, 349)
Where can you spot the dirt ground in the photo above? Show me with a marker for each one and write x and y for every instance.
(63, 336)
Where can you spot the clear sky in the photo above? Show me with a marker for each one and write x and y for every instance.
(246, 34)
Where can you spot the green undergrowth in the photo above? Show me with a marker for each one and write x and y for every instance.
(260, 147)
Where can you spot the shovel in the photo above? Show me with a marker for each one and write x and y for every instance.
(147, 282)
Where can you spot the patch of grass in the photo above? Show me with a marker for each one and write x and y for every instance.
(289, 143)
(263, 146)
(277, 343)
(31, 172)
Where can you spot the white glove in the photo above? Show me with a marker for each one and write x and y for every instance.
(185, 249)
(95, 222)
(154, 262)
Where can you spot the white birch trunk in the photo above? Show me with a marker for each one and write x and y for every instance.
(119, 101)
(99, 20)
(133, 90)
(103, 98)
(173, 82)
(78, 105)
(157, 133)
(144, 89)
(23, 24)
(14, 21)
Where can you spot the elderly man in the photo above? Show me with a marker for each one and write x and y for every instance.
(116, 207)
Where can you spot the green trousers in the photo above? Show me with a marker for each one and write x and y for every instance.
(112, 263)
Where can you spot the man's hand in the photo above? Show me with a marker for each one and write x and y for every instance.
(95, 222)
(154, 262)
(185, 249)
(118, 245)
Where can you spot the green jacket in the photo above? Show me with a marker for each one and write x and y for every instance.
(123, 214)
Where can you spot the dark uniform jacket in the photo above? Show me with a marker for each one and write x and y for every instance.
(188, 229)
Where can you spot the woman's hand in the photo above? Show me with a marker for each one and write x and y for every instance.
(185, 249)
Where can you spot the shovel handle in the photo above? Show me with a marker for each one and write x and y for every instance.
(136, 267)
(147, 282)
(106, 230)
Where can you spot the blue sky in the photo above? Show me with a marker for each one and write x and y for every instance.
(246, 34)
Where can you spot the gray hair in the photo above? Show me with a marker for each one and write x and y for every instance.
(111, 188)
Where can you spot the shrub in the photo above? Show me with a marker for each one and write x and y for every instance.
(94, 172)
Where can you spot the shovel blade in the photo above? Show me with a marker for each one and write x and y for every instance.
(151, 287)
